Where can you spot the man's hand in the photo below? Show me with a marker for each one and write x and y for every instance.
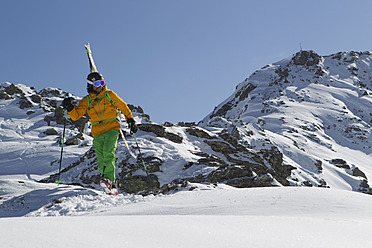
(66, 104)
(132, 125)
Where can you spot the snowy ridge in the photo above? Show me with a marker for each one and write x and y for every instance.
(315, 109)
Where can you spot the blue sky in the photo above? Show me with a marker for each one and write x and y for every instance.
(176, 59)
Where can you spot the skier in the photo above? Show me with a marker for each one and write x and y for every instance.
(102, 106)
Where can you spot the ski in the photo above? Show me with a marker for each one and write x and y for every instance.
(126, 144)
(92, 65)
(62, 145)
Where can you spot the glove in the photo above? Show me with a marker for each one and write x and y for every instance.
(132, 125)
(66, 104)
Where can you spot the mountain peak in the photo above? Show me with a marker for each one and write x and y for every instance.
(308, 58)
(314, 109)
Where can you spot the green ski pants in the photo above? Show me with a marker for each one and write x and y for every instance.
(105, 145)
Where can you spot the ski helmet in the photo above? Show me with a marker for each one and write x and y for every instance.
(93, 77)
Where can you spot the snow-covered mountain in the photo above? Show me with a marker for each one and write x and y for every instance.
(315, 109)
(300, 121)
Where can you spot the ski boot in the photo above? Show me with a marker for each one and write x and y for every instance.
(114, 189)
(106, 184)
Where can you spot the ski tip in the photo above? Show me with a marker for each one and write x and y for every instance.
(87, 48)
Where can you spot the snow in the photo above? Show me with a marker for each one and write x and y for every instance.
(311, 119)
(208, 216)
(34, 214)
(186, 231)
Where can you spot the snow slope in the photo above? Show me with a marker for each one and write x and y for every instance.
(25, 148)
(219, 216)
(315, 110)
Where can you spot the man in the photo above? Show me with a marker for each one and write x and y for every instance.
(102, 106)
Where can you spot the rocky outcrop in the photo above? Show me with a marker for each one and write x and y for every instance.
(308, 58)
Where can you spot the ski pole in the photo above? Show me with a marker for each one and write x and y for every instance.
(140, 154)
(143, 162)
(62, 142)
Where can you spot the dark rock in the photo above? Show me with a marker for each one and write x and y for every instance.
(233, 139)
(153, 128)
(340, 163)
(358, 173)
(262, 181)
(4, 95)
(25, 103)
(142, 185)
(319, 72)
(51, 131)
(364, 187)
(59, 118)
(50, 92)
(223, 110)
(275, 158)
(307, 184)
(168, 124)
(197, 132)
(229, 173)
(308, 58)
(160, 132)
(36, 98)
(173, 137)
(135, 109)
(152, 163)
(72, 141)
(221, 147)
(186, 124)
(242, 94)
(209, 159)
(12, 89)
(318, 165)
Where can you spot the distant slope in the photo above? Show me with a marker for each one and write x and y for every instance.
(315, 109)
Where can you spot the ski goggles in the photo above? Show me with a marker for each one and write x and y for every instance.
(97, 83)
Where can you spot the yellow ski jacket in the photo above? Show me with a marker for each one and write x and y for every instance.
(101, 111)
